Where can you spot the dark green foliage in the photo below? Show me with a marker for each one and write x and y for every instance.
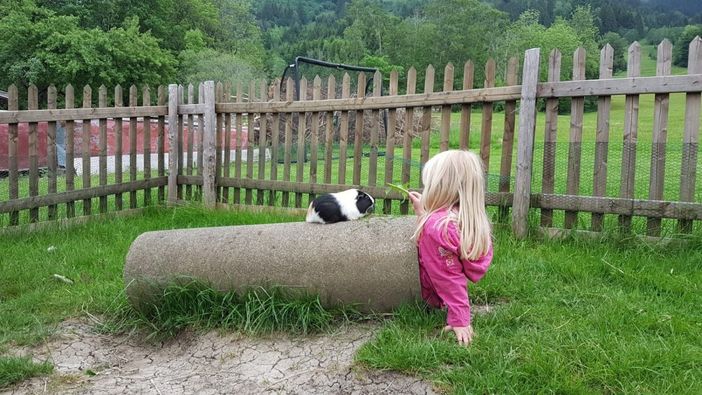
(682, 50)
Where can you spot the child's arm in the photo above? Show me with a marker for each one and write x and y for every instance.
(475, 270)
(442, 264)
(415, 198)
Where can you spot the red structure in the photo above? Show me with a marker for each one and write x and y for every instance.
(23, 141)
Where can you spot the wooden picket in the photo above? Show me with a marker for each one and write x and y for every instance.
(631, 127)
(602, 135)
(660, 136)
(577, 110)
(203, 119)
(550, 137)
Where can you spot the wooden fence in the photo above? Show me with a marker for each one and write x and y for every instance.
(256, 145)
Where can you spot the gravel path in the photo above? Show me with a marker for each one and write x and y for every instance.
(86, 362)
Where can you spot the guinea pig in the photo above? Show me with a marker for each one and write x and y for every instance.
(340, 206)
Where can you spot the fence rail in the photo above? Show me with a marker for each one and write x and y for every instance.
(254, 144)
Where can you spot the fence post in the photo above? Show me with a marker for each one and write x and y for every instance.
(525, 147)
(209, 179)
(173, 148)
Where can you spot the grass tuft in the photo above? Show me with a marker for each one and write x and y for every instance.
(256, 311)
(16, 369)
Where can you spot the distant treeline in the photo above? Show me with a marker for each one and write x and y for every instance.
(156, 42)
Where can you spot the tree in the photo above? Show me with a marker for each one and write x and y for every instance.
(459, 30)
(682, 47)
(39, 47)
(369, 30)
(620, 46)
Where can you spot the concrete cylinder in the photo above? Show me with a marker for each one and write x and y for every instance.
(371, 263)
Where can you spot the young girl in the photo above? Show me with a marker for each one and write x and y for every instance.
(453, 235)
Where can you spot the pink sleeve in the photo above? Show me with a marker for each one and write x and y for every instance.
(475, 270)
(447, 277)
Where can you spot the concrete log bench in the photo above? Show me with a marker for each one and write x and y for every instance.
(371, 263)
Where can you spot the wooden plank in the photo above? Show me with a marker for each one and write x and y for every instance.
(446, 110)
(197, 108)
(314, 132)
(146, 100)
(390, 140)
(660, 136)
(85, 148)
(70, 149)
(486, 126)
(275, 138)
(628, 207)
(550, 137)
(248, 195)
(189, 141)
(384, 102)
(525, 149)
(237, 145)
(464, 137)
(118, 147)
(132, 146)
(631, 125)
(219, 133)
(289, 94)
(610, 87)
(102, 141)
(358, 135)
(577, 109)
(33, 104)
(262, 143)
(688, 171)
(209, 152)
(71, 114)
(604, 104)
(34, 202)
(623, 86)
(426, 122)
(52, 159)
(491, 198)
(161, 143)
(508, 138)
(173, 151)
(344, 130)
(301, 131)
(13, 134)
(199, 132)
(182, 142)
(226, 164)
(375, 132)
(329, 132)
(407, 134)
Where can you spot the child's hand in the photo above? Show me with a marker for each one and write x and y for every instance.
(415, 197)
(464, 334)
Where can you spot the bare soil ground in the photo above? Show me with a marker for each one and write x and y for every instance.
(87, 362)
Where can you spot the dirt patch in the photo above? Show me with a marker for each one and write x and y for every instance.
(87, 362)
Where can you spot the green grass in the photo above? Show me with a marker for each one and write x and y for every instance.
(33, 301)
(16, 369)
(194, 304)
(574, 316)
(569, 317)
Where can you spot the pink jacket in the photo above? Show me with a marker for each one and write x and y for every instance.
(443, 275)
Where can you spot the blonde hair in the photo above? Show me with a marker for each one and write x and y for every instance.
(455, 178)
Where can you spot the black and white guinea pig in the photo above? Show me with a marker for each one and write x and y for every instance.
(340, 206)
